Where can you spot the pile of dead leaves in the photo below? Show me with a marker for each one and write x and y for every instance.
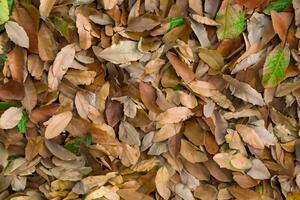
(149, 99)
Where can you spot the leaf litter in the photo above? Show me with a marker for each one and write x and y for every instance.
(149, 99)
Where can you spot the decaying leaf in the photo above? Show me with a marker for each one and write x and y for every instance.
(17, 34)
(244, 91)
(10, 118)
(174, 115)
(57, 124)
(123, 52)
(161, 182)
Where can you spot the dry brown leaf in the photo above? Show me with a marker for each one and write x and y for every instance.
(60, 66)
(249, 136)
(30, 99)
(33, 147)
(243, 194)
(46, 7)
(212, 57)
(181, 68)
(281, 22)
(35, 66)
(120, 53)
(191, 153)
(204, 20)
(46, 43)
(206, 191)
(202, 88)
(109, 4)
(259, 170)
(244, 91)
(148, 96)
(161, 182)
(12, 90)
(129, 194)
(57, 124)
(16, 62)
(79, 77)
(59, 151)
(166, 131)
(130, 155)
(17, 34)
(128, 134)
(174, 115)
(42, 114)
(84, 28)
(10, 118)
(142, 23)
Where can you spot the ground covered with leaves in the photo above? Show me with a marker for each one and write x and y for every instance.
(149, 99)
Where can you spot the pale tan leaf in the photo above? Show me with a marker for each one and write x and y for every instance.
(129, 194)
(46, 7)
(30, 99)
(109, 4)
(84, 29)
(17, 34)
(239, 161)
(57, 124)
(187, 100)
(204, 20)
(128, 134)
(79, 77)
(10, 118)
(35, 66)
(191, 153)
(60, 66)
(46, 43)
(235, 142)
(161, 182)
(167, 131)
(212, 57)
(206, 191)
(259, 170)
(181, 68)
(130, 155)
(174, 115)
(123, 52)
(183, 191)
(202, 88)
(244, 91)
(249, 136)
(59, 151)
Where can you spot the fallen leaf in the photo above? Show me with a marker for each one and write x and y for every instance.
(10, 118)
(174, 115)
(17, 34)
(128, 134)
(191, 153)
(275, 66)
(231, 19)
(249, 136)
(46, 43)
(278, 6)
(259, 170)
(244, 91)
(57, 124)
(204, 20)
(161, 182)
(212, 57)
(84, 29)
(206, 191)
(123, 52)
(281, 22)
(46, 7)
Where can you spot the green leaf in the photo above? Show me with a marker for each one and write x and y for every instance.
(275, 66)
(62, 26)
(7, 104)
(74, 145)
(175, 21)
(231, 20)
(278, 5)
(22, 123)
(178, 87)
(3, 58)
(4, 11)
